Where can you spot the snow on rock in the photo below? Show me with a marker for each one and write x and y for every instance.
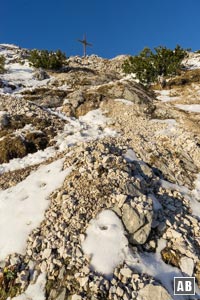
(34, 291)
(191, 108)
(22, 206)
(193, 196)
(18, 75)
(105, 242)
(192, 62)
(165, 96)
(29, 160)
(169, 130)
(153, 265)
(88, 127)
(124, 101)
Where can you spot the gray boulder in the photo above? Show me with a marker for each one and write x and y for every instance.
(138, 225)
(40, 75)
(4, 119)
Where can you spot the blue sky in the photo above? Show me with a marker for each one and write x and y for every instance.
(113, 26)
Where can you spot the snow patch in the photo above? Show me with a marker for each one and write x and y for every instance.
(22, 207)
(171, 126)
(165, 96)
(105, 242)
(193, 196)
(191, 108)
(89, 127)
(34, 291)
(124, 101)
(153, 265)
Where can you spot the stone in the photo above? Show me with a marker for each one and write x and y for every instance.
(119, 291)
(4, 119)
(47, 253)
(121, 200)
(137, 225)
(153, 292)
(76, 297)
(187, 265)
(40, 75)
(61, 295)
(131, 218)
(126, 272)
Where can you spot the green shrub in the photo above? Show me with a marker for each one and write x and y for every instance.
(47, 59)
(149, 65)
(2, 64)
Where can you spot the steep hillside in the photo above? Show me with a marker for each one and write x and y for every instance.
(99, 181)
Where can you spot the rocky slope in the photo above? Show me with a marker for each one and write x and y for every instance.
(99, 179)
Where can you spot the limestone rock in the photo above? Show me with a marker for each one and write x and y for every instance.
(137, 225)
(4, 119)
(40, 74)
(153, 292)
(187, 265)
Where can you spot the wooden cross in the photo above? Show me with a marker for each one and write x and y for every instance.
(85, 44)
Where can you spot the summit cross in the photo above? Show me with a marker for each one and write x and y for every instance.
(85, 44)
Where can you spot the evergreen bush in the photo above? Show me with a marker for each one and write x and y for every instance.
(149, 65)
(2, 64)
(47, 59)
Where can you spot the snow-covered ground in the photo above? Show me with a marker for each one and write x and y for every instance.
(105, 242)
(34, 291)
(191, 108)
(165, 96)
(86, 128)
(22, 206)
(170, 129)
(127, 102)
(20, 75)
(192, 62)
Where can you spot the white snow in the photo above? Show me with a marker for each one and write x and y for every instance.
(124, 101)
(29, 160)
(153, 265)
(165, 96)
(89, 127)
(191, 108)
(192, 62)
(22, 206)
(169, 130)
(22, 76)
(105, 242)
(34, 291)
(175, 187)
(193, 196)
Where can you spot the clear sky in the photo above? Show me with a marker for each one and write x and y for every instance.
(113, 26)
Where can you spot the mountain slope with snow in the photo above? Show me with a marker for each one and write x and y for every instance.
(99, 182)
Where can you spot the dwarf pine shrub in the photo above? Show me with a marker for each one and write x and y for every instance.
(2, 64)
(47, 59)
(150, 64)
